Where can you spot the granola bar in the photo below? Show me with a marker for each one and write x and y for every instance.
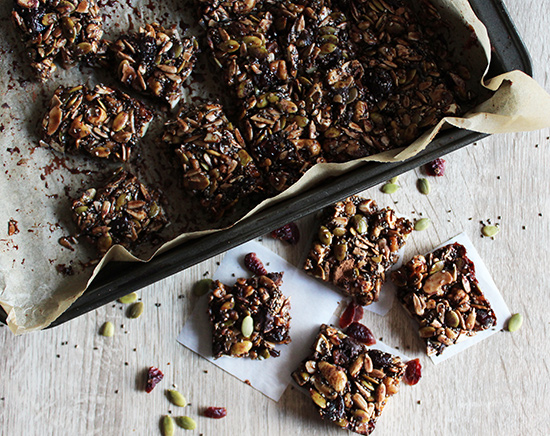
(258, 298)
(122, 212)
(349, 382)
(441, 292)
(217, 168)
(155, 61)
(103, 122)
(355, 246)
(69, 29)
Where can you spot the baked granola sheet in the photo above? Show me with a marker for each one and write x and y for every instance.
(40, 276)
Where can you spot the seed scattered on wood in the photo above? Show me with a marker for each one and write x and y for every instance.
(107, 330)
(515, 322)
(422, 224)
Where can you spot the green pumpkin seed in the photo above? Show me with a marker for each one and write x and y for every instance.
(186, 422)
(202, 287)
(452, 320)
(394, 180)
(325, 236)
(81, 209)
(424, 186)
(339, 231)
(340, 252)
(247, 326)
(136, 310)
(515, 322)
(361, 224)
(167, 426)
(107, 329)
(128, 299)
(490, 231)
(390, 188)
(176, 398)
(422, 224)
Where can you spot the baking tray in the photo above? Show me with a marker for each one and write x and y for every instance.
(121, 278)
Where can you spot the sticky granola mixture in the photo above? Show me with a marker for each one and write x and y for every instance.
(349, 382)
(216, 166)
(154, 60)
(327, 81)
(441, 292)
(356, 244)
(124, 212)
(65, 30)
(103, 122)
(250, 317)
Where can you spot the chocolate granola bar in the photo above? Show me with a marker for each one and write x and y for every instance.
(155, 61)
(103, 122)
(355, 246)
(441, 292)
(69, 29)
(250, 317)
(349, 382)
(216, 166)
(124, 212)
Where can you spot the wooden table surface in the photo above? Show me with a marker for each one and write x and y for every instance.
(72, 381)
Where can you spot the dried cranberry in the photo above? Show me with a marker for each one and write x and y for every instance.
(353, 313)
(154, 376)
(361, 333)
(289, 233)
(413, 372)
(254, 264)
(484, 318)
(435, 167)
(215, 412)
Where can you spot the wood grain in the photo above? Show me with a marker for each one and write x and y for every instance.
(72, 381)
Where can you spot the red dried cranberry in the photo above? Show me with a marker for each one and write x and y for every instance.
(413, 372)
(289, 233)
(215, 412)
(435, 167)
(353, 313)
(361, 333)
(154, 376)
(254, 264)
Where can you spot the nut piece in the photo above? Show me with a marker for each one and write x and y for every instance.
(442, 293)
(348, 382)
(357, 244)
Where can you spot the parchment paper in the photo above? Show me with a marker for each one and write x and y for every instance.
(37, 184)
(312, 303)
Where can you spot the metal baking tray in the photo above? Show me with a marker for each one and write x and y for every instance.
(121, 278)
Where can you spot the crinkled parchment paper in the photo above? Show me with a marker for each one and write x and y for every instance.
(39, 279)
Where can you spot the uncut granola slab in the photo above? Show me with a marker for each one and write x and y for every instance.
(154, 60)
(441, 292)
(103, 122)
(356, 245)
(250, 317)
(52, 29)
(348, 382)
(216, 166)
(124, 212)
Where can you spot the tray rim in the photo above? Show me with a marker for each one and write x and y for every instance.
(132, 276)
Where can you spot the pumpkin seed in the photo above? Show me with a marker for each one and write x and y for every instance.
(515, 322)
(340, 252)
(247, 326)
(424, 186)
(136, 310)
(394, 179)
(202, 287)
(107, 329)
(167, 426)
(325, 236)
(390, 188)
(128, 299)
(339, 231)
(186, 422)
(451, 318)
(422, 224)
(176, 398)
(490, 231)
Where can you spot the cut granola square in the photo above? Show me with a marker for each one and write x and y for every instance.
(250, 317)
(124, 212)
(70, 29)
(103, 122)
(217, 168)
(349, 382)
(356, 245)
(155, 61)
(440, 291)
